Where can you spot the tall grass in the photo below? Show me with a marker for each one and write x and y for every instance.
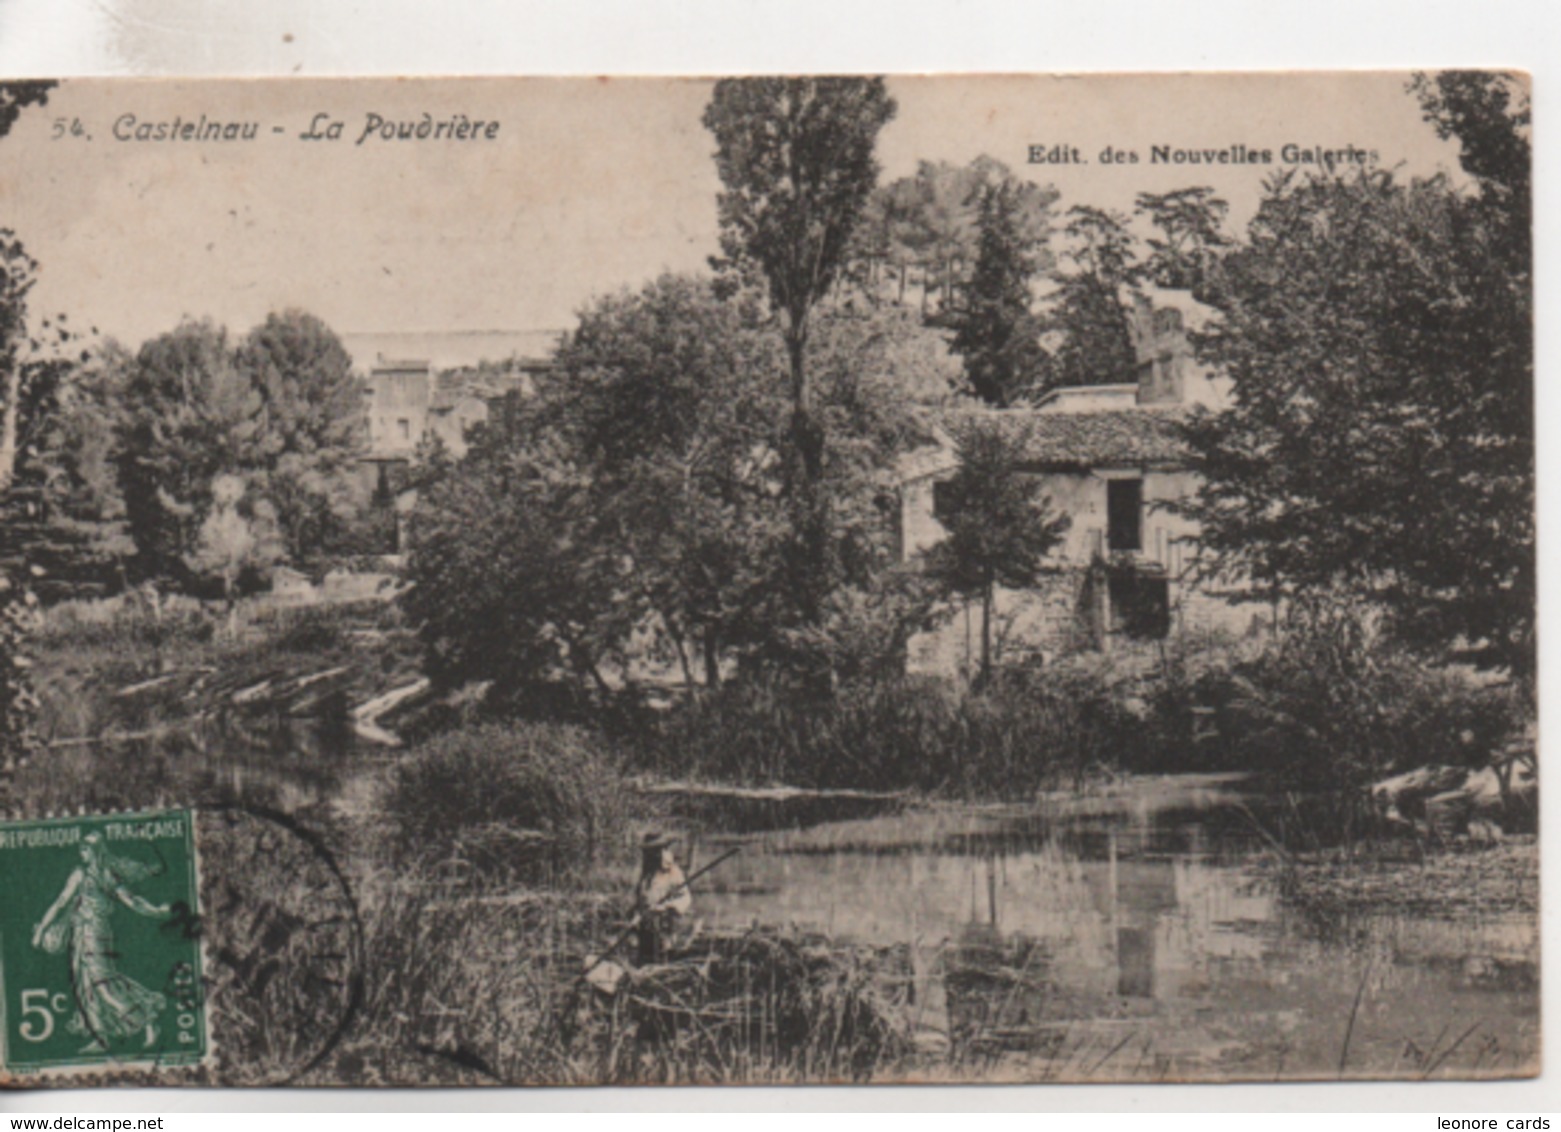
(460, 990)
(1025, 732)
(468, 990)
(527, 801)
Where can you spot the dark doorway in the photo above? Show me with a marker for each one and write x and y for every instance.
(1140, 605)
(1124, 514)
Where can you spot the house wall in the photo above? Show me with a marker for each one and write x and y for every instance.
(1082, 497)
(397, 395)
(1065, 611)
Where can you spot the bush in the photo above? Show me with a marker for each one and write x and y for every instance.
(128, 626)
(536, 802)
(466, 977)
(1023, 733)
(1334, 704)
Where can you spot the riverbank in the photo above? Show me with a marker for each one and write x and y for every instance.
(1095, 925)
(1406, 877)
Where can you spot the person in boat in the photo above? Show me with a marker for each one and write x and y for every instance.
(661, 898)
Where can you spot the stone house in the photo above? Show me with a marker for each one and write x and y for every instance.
(1109, 457)
(412, 404)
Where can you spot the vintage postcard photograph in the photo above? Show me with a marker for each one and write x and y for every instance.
(767, 580)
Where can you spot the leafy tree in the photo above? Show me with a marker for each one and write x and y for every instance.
(40, 366)
(510, 579)
(282, 410)
(26, 385)
(17, 96)
(313, 404)
(18, 696)
(190, 414)
(313, 426)
(943, 231)
(1191, 238)
(239, 535)
(1489, 114)
(795, 157)
(997, 334)
(873, 372)
(637, 501)
(880, 255)
(1379, 340)
(34, 362)
(17, 273)
(67, 480)
(931, 220)
(673, 402)
(76, 445)
(1097, 344)
(1000, 526)
(24, 389)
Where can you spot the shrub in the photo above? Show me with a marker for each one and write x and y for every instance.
(537, 802)
(465, 977)
(1332, 703)
(1025, 732)
(130, 626)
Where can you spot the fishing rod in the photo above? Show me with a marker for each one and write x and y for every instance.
(670, 896)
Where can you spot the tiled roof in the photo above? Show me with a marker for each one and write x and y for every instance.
(1113, 436)
(1103, 438)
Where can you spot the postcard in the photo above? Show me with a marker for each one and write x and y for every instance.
(767, 580)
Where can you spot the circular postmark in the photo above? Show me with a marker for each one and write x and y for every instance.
(283, 945)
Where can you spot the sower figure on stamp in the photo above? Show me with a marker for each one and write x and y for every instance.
(110, 1004)
(661, 898)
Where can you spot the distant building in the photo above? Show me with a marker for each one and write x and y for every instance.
(1110, 458)
(440, 396)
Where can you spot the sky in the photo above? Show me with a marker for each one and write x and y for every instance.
(589, 185)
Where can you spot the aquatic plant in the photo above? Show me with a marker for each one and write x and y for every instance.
(1022, 733)
(536, 801)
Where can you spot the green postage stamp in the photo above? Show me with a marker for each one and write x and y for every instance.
(100, 953)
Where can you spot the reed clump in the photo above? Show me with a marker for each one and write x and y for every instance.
(767, 1004)
(462, 989)
(532, 802)
(472, 990)
(1020, 734)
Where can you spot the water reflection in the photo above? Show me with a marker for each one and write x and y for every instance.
(1139, 920)
(1125, 935)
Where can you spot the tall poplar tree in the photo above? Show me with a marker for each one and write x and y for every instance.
(795, 157)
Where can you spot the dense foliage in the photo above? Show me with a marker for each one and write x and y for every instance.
(1379, 339)
(636, 506)
(795, 157)
(1000, 526)
(537, 801)
(1101, 260)
(31, 368)
(1025, 733)
(997, 333)
(1333, 704)
(923, 233)
(282, 413)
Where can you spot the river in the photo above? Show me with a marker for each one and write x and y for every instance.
(1131, 934)
(1136, 933)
